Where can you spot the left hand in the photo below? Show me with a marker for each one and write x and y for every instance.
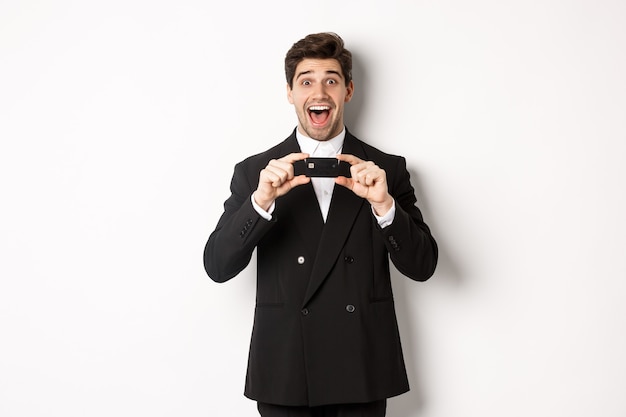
(368, 181)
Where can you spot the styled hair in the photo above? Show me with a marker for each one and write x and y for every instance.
(326, 45)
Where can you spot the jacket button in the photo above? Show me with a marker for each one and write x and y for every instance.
(305, 311)
(300, 260)
(350, 308)
(394, 244)
(349, 259)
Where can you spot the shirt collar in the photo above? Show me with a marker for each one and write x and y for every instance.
(308, 145)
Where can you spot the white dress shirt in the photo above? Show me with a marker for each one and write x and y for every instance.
(329, 149)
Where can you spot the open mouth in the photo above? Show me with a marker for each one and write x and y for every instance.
(319, 114)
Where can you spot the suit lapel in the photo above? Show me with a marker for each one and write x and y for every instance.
(300, 206)
(302, 210)
(342, 214)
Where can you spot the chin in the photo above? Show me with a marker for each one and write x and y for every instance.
(325, 133)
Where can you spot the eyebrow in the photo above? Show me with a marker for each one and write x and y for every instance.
(310, 71)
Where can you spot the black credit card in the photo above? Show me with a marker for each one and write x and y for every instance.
(322, 167)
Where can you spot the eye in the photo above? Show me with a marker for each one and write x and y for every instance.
(306, 82)
(332, 82)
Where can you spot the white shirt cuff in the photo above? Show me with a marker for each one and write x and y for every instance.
(387, 219)
(267, 215)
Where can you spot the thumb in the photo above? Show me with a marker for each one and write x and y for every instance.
(299, 180)
(346, 182)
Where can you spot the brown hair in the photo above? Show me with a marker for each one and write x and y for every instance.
(325, 45)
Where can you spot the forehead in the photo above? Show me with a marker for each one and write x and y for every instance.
(318, 67)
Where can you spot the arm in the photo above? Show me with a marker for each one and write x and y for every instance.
(411, 246)
(229, 248)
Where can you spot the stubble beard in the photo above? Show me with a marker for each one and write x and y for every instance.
(329, 132)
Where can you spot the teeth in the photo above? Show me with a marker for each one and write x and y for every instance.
(319, 108)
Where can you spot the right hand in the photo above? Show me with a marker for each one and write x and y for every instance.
(277, 179)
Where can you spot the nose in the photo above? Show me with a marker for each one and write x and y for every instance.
(320, 91)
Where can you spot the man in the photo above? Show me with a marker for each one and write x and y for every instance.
(325, 339)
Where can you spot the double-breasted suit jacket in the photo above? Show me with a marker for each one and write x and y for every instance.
(325, 328)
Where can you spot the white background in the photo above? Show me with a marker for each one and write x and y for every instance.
(120, 124)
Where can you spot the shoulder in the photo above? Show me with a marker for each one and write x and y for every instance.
(371, 153)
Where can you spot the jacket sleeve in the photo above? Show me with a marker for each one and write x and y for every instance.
(230, 246)
(411, 246)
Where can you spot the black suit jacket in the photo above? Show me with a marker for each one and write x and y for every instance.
(325, 328)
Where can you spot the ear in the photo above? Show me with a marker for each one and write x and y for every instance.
(289, 94)
(349, 91)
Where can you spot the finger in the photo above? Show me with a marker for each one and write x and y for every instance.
(299, 180)
(371, 178)
(351, 159)
(278, 175)
(343, 181)
(371, 175)
(293, 157)
(269, 177)
(277, 171)
(286, 163)
(360, 170)
(280, 168)
(281, 163)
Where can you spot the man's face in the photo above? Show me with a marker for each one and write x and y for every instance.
(319, 93)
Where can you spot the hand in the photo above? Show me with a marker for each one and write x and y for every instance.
(368, 181)
(277, 179)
